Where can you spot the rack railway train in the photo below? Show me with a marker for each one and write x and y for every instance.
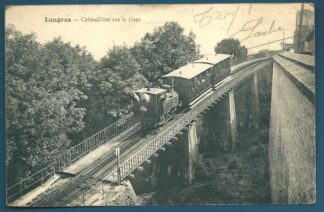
(155, 106)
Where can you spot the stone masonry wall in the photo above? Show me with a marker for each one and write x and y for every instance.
(291, 142)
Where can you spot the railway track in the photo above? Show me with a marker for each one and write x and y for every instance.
(131, 148)
(98, 175)
(101, 167)
(68, 192)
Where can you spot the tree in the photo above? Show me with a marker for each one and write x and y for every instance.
(233, 47)
(164, 50)
(44, 85)
(114, 79)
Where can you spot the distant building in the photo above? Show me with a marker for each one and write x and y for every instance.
(287, 46)
(307, 35)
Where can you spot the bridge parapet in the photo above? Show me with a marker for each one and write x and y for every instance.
(301, 75)
(131, 163)
(301, 59)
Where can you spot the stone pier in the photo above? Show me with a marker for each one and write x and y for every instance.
(257, 100)
(173, 165)
(233, 120)
(192, 145)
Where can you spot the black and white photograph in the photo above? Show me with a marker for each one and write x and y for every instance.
(160, 104)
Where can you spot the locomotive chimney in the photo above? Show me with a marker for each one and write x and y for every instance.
(167, 87)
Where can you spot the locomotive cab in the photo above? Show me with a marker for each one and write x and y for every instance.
(154, 106)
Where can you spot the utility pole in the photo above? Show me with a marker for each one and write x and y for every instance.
(118, 165)
(283, 41)
(300, 26)
(236, 57)
(102, 189)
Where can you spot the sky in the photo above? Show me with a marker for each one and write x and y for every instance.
(252, 24)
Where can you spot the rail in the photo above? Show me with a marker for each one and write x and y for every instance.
(131, 163)
(17, 190)
(135, 160)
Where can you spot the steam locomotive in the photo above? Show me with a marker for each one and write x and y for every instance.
(155, 106)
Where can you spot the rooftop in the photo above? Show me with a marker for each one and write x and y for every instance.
(213, 59)
(197, 67)
(151, 90)
(189, 71)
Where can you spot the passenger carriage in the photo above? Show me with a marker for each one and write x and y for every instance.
(194, 78)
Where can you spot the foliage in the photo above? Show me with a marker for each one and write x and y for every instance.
(57, 95)
(44, 84)
(114, 79)
(164, 50)
(231, 46)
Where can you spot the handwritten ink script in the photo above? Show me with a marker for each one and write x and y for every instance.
(212, 14)
(252, 28)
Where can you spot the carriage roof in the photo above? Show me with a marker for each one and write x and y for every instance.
(191, 70)
(213, 59)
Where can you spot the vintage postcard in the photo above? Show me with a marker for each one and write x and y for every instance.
(161, 104)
